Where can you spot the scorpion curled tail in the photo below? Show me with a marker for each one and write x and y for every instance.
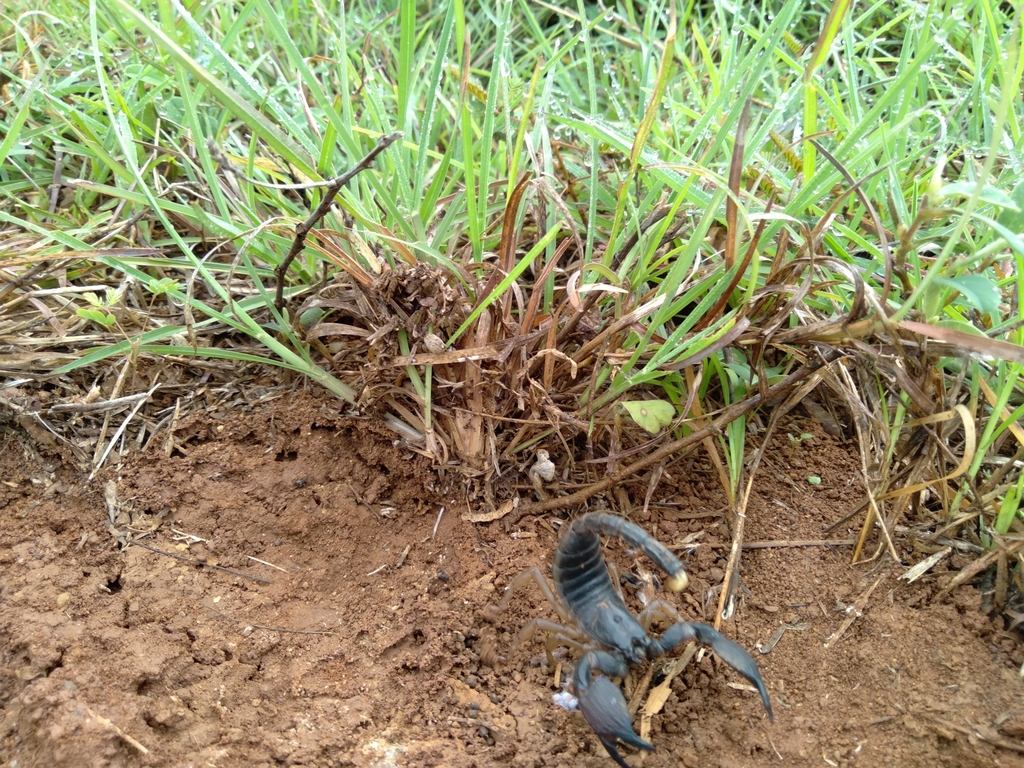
(633, 534)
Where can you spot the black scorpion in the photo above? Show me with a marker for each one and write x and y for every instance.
(606, 633)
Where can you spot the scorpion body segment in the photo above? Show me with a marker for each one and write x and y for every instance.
(586, 588)
(579, 563)
(610, 636)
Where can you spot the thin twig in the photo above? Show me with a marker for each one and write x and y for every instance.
(193, 561)
(330, 192)
(105, 405)
(783, 543)
(854, 612)
(405, 554)
(271, 629)
(286, 187)
(983, 563)
(121, 429)
(99, 454)
(732, 567)
(110, 726)
(437, 523)
(269, 565)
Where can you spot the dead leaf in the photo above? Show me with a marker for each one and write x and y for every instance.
(496, 514)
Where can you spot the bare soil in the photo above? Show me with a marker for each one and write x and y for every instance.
(346, 630)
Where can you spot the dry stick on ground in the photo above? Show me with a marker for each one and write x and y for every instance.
(331, 191)
(871, 500)
(786, 543)
(120, 430)
(983, 733)
(114, 404)
(732, 568)
(856, 510)
(983, 563)
(193, 561)
(98, 453)
(676, 446)
(854, 612)
(659, 695)
(111, 727)
(269, 628)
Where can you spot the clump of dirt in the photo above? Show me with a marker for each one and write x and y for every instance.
(294, 595)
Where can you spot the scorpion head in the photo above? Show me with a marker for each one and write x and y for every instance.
(621, 631)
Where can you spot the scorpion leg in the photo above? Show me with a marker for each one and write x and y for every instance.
(602, 703)
(729, 651)
(561, 635)
(534, 575)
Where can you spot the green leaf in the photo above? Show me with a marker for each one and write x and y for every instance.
(311, 317)
(1009, 508)
(652, 415)
(1014, 220)
(958, 325)
(97, 316)
(979, 291)
(814, 480)
(988, 194)
(162, 286)
(1013, 239)
(510, 278)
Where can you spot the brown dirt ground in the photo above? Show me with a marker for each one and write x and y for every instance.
(336, 654)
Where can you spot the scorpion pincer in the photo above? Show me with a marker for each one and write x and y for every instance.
(597, 623)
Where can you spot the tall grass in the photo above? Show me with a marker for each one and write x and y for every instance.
(713, 191)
